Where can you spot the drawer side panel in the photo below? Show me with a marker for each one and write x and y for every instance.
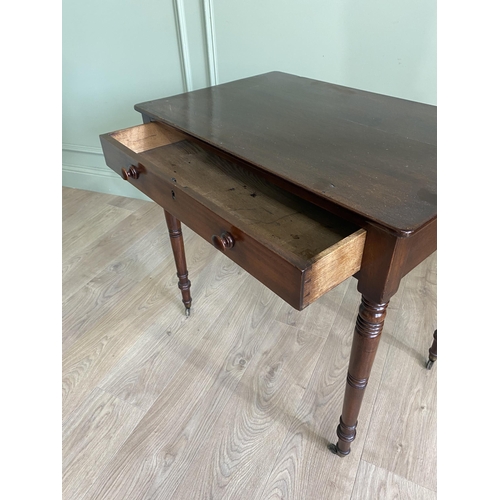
(335, 265)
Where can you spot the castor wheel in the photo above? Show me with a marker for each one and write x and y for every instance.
(334, 449)
(188, 311)
(433, 352)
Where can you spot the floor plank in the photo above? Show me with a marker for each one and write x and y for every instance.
(152, 304)
(239, 400)
(79, 205)
(104, 293)
(91, 437)
(198, 390)
(90, 229)
(241, 448)
(374, 482)
(317, 317)
(93, 258)
(130, 204)
(161, 353)
(304, 466)
(402, 436)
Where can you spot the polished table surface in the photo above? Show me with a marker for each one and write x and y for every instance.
(371, 154)
(366, 160)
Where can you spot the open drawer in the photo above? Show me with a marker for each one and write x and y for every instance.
(293, 247)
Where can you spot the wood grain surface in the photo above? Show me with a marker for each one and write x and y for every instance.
(374, 482)
(147, 136)
(239, 400)
(404, 408)
(91, 436)
(371, 153)
(258, 208)
(276, 234)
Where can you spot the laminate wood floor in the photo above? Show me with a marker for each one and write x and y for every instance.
(239, 400)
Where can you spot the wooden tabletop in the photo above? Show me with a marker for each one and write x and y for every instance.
(371, 154)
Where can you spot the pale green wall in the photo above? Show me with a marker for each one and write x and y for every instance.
(385, 46)
(120, 52)
(115, 53)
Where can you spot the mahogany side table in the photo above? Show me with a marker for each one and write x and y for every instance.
(300, 182)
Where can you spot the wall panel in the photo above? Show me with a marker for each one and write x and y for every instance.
(387, 47)
(115, 53)
(120, 52)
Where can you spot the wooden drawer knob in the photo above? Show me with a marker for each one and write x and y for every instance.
(133, 172)
(223, 242)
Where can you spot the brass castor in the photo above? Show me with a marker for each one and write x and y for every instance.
(333, 448)
(188, 311)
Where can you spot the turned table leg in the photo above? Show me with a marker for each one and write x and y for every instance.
(433, 352)
(175, 231)
(369, 324)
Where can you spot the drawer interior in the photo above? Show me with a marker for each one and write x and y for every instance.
(145, 137)
(302, 233)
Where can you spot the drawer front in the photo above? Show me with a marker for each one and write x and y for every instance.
(162, 164)
(282, 277)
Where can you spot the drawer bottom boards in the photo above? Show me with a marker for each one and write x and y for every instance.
(293, 247)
